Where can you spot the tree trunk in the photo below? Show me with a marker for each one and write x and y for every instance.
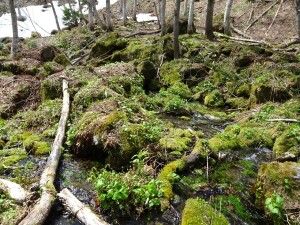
(209, 32)
(134, 10)
(298, 17)
(42, 208)
(83, 213)
(176, 29)
(14, 22)
(163, 17)
(91, 17)
(185, 4)
(121, 6)
(124, 12)
(191, 17)
(55, 15)
(226, 21)
(108, 17)
(156, 13)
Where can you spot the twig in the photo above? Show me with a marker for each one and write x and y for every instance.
(284, 120)
(240, 32)
(276, 14)
(160, 65)
(142, 33)
(261, 15)
(156, 13)
(251, 14)
(242, 39)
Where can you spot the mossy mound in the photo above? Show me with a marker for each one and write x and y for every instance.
(33, 145)
(9, 157)
(147, 70)
(236, 137)
(51, 87)
(197, 211)
(279, 179)
(288, 143)
(214, 99)
(108, 45)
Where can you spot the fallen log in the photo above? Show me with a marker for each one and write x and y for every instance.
(42, 208)
(14, 190)
(283, 120)
(82, 212)
(142, 33)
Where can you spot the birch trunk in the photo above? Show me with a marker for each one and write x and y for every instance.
(163, 17)
(83, 213)
(121, 6)
(191, 17)
(108, 17)
(176, 29)
(185, 4)
(227, 28)
(298, 17)
(90, 15)
(42, 208)
(55, 16)
(209, 32)
(14, 22)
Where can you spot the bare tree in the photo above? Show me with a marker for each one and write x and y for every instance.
(209, 32)
(90, 15)
(14, 22)
(108, 17)
(176, 29)
(134, 10)
(191, 16)
(298, 17)
(121, 6)
(185, 4)
(124, 10)
(226, 21)
(95, 13)
(55, 16)
(163, 17)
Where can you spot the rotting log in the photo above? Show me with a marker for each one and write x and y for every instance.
(42, 208)
(78, 209)
(14, 190)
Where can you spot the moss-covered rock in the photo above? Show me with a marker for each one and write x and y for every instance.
(51, 88)
(214, 99)
(288, 143)
(148, 71)
(110, 44)
(34, 145)
(62, 60)
(197, 211)
(278, 179)
(237, 103)
(194, 74)
(183, 22)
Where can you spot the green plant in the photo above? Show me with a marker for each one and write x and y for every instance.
(287, 185)
(5, 203)
(70, 17)
(23, 175)
(274, 205)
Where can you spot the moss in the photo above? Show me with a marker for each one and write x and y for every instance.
(12, 151)
(288, 142)
(147, 70)
(197, 211)
(62, 60)
(243, 90)
(50, 89)
(280, 179)
(171, 71)
(51, 68)
(32, 144)
(166, 176)
(214, 99)
(2, 144)
(237, 103)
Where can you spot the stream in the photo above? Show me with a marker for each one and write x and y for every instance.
(73, 173)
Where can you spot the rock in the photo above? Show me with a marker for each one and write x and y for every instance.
(48, 53)
(197, 211)
(279, 179)
(15, 191)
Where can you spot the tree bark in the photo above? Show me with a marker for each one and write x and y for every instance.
(55, 15)
(90, 15)
(121, 6)
(185, 5)
(108, 17)
(134, 10)
(156, 13)
(191, 16)
(226, 21)
(83, 213)
(124, 10)
(42, 208)
(14, 22)
(163, 17)
(298, 17)
(176, 29)
(209, 31)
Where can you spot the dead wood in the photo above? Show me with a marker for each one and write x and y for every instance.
(142, 33)
(42, 208)
(276, 14)
(261, 15)
(239, 32)
(284, 120)
(82, 212)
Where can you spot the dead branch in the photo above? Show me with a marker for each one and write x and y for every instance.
(239, 32)
(42, 208)
(251, 14)
(261, 15)
(82, 212)
(283, 120)
(276, 14)
(142, 33)
(14, 190)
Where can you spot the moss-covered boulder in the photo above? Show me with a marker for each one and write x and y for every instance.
(148, 71)
(288, 143)
(194, 74)
(183, 22)
(214, 99)
(62, 60)
(237, 103)
(33, 145)
(278, 181)
(108, 45)
(51, 87)
(197, 211)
